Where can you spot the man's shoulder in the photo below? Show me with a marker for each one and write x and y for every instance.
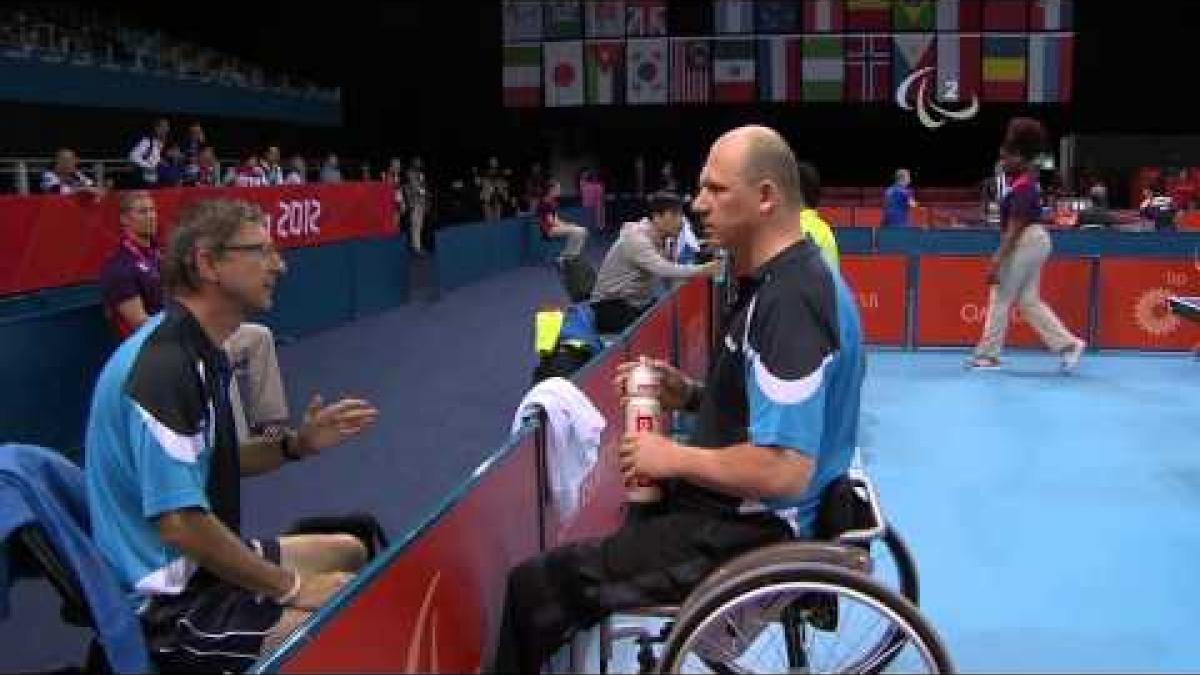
(164, 377)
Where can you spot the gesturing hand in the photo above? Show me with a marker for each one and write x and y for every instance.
(325, 426)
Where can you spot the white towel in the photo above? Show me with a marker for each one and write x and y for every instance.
(573, 437)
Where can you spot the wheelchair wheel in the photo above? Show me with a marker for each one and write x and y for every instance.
(894, 567)
(802, 617)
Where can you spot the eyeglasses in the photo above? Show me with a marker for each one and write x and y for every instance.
(263, 250)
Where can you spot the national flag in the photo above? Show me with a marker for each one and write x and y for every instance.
(691, 70)
(779, 74)
(522, 20)
(822, 16)
(564, 20)
(604, 18)
(958, 67)
(1005, 15)
(1050, 63)
(823, 68)
(646, 70)
(960, 15)
(911, 52)
(734, 16)
(605, 72)
(523, 75)
(645, 18)
(868, 15)
(733, 70)
(562, 68)
(1004, 68)
(916, 15)
(776, 16)
(868, 67)
(1050, 15)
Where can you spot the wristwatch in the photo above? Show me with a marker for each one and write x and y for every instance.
(287, 446)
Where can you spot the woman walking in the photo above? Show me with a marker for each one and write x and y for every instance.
(1016, 270)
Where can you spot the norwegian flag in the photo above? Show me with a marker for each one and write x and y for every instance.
(868, 67)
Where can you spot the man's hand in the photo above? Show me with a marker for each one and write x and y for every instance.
(712, 268)
(326, 426)
(649, 455)
(316, 590)
(675, 385)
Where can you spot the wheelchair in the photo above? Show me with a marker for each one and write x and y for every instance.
(845, 602)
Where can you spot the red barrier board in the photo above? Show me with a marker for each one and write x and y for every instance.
(1133, 312)
(952, 300)
(695, 335)
(49, 241)
(880, 284)
(436, 608)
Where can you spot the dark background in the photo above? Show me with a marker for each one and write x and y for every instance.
(421, 76)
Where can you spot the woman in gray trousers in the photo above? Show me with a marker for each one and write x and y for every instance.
(1016, 270)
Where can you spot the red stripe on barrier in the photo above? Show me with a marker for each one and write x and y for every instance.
(51, 241)
(1133, 304)
(879, 283)
(437, 607)
(952, 300)
(695, 334)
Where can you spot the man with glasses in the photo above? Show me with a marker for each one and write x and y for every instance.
(163, 461)
(131, 289)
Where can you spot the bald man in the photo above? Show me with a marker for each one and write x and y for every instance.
(776, 420)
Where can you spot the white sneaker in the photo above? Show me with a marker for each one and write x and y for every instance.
(1071, 355)
(982, 363)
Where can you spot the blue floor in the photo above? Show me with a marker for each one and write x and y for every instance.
(1054, 519)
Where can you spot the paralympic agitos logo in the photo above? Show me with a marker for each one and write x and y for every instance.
(928, 111)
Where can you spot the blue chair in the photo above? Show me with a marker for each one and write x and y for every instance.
(45, 531)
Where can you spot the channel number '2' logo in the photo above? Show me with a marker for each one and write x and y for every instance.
(929, 112)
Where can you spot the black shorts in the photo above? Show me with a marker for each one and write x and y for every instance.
(211, 626)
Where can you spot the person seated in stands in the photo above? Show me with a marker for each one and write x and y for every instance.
(272, 170)
(250, 173)
(777, 421)
(898, 200)
(207, 169)
(297, 172)
(163, 464)
(625, 283)
(554, 226)
(66, 178)
(194, 143)
(1158, 207)
(811, 222)
(147, 153)
(330, 173)
(171, 169)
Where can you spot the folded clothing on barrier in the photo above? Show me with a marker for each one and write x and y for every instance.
(573, 436)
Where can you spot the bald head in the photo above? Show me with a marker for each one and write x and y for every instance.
(764, 156)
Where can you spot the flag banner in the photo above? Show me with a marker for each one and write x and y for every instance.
(911, 52)
(645, 18)
(868, 67)
(822, 66)
(646, 70)
(962, 15)
(779, 62)
(605, 61)
(604, 18)
(733, 16)
(523, 75)
(777, 16)
(522, 20)
(1004, 68)
(822, 16)
(1050, 64)
(563, 71)
(1050, 15)
(868, 15)
(958, 67)
(733, 70)
(691, 70)
(1005, 15)
(914, 15)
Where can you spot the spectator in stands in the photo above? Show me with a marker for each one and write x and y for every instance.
(625, 283)
(897, 200)
(667, 180)
(417, 196)
(297, 172)
(147, 153)
(1158, 207)
(66, 178)
(1016, 271)
(207, 169)
(250, 173)
(164, 462)
(776, 421)
(553, 226)
(272, 171)
(194, 144)
(535, 186)
(171, 170)
(815, 227)
(330, 173)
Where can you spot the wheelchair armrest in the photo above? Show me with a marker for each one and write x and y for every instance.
(878, 527)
